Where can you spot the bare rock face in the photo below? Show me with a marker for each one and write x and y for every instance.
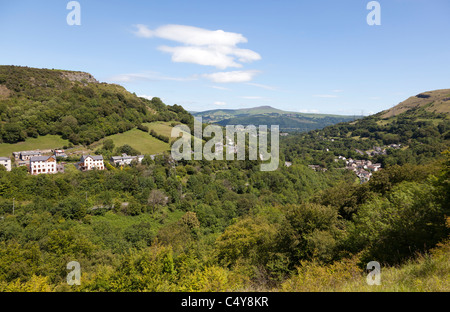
(80, 76)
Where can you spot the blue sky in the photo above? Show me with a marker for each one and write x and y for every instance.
(308, 56)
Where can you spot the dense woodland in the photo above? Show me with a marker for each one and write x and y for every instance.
(423, 136)
(212, 226)
(221, 225)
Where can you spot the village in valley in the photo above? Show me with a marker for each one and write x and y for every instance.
(363, 168)
(46, 161)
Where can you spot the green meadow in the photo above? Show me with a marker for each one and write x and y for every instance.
(42, 142)
(139, 140)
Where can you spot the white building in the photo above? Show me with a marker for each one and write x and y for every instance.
(43, 164)
(5, 161)
(90, 162)
(125, 159)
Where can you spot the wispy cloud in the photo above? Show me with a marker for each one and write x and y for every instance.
(338, 90)
(146, 76)
(325, 96)
(220, 88)
(254, 98)
(232, 76)
(261, 86)
(201, 46)
(218, 103)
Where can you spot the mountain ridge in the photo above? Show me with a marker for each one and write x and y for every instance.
(268, 115)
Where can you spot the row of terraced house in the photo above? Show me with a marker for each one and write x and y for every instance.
(38, 163)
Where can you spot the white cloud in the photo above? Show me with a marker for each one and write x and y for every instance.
(338, 90)
(191, 35)
(220, 103)
(143, 31)
(232, 76)
(261, 86)
(325, 96)
(202, 46)
(208, 56)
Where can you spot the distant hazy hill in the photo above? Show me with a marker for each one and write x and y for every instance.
(267, 115)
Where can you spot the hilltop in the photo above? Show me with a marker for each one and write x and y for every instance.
(437, 101)
(72, 105)
(267, 115)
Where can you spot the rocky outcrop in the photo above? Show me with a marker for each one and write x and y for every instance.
(423, 96)
(79, 76)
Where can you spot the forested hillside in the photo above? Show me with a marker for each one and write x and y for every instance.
(420, 134)
(36, 102)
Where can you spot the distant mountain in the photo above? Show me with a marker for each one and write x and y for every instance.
(267, 115)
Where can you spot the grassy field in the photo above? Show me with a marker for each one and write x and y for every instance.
(139, 140)
(42, 142)
(427, 273)
(161, 127)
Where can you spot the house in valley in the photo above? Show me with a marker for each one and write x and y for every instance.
(60, 153)
(89, 162)
(125, 159)
(26, 155)
(22, 158)
(42, 165)
(6, 162)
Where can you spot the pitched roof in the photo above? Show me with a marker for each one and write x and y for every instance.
(97, 157)
(31, 153)
(41, 158)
